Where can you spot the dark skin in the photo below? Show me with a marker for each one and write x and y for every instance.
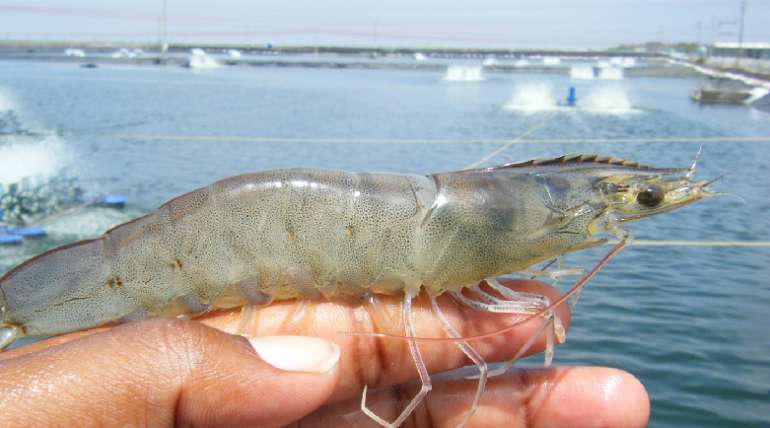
(171, 372)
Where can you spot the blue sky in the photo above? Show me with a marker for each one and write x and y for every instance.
(493, 23)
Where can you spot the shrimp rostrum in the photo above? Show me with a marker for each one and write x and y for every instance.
(305, 233)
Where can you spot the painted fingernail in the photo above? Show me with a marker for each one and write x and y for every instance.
(297, 353)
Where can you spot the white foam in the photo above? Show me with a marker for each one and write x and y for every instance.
(540, 97)
(551, 60)
(418, 56)
(624, 62)
(463, 73)
(33, 160)
(757, 93)
(584, 72)
(76, 53)
(521, 63)
(200, 60)
(127, 53)
(234, 53)
(609, 100)
(489, 62)
(532, 98)
(611, 73)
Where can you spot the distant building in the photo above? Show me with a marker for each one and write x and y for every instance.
(753, 57)
(743, 50)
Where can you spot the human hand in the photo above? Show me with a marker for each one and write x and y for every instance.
(171, 372)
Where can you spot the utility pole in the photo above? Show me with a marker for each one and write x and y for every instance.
(163, 33)
(375, 24)
(740, 30)
(699, 31)
(660, 36)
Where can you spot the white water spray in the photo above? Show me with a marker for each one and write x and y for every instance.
(581, 72)
(542, 97)
(463, 73)
(532, 98)
(200, 60)
(551, 61)
(611, 100)
(521, 63)
(610, 73)
(624, 62)
(36, 160)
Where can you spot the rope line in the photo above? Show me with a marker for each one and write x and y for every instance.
(506, 142)
(696, 243)
(505, 146)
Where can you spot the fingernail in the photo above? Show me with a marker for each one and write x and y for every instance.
(297, 353)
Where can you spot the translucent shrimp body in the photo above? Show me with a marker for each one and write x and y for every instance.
(304, 233)
(294, 234)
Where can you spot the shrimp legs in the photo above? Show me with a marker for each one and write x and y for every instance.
(514, 302)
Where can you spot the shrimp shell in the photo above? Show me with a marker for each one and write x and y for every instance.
(306, 233)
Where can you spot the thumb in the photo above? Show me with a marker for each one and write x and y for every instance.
(169, 372)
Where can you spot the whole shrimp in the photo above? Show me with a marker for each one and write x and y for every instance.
(305, 233)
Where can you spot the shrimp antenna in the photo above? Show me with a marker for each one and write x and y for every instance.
(709, 193)
(691, 169)
(713, 180)
(563, 298)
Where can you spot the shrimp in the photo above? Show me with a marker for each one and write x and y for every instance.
(305, 234)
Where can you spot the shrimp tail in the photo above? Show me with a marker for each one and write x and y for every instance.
(62, 290)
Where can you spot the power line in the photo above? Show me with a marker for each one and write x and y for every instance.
(697, 243)
(507, 142)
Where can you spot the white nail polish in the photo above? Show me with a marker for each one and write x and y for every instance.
(297, 353)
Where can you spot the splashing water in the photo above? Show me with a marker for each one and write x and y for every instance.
(585, 72)
(551, 60)
(611, 73)
(521, 63)
(538, 97)
(200, 60)
(462, 73)
(623, 62)
(37, 159)
(612, 100)
(532, 98)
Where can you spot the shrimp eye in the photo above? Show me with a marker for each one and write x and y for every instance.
(650, 196)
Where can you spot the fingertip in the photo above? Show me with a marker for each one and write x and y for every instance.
(587, 396)
(627, 392)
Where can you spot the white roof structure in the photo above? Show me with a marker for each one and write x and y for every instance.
(744, 45)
